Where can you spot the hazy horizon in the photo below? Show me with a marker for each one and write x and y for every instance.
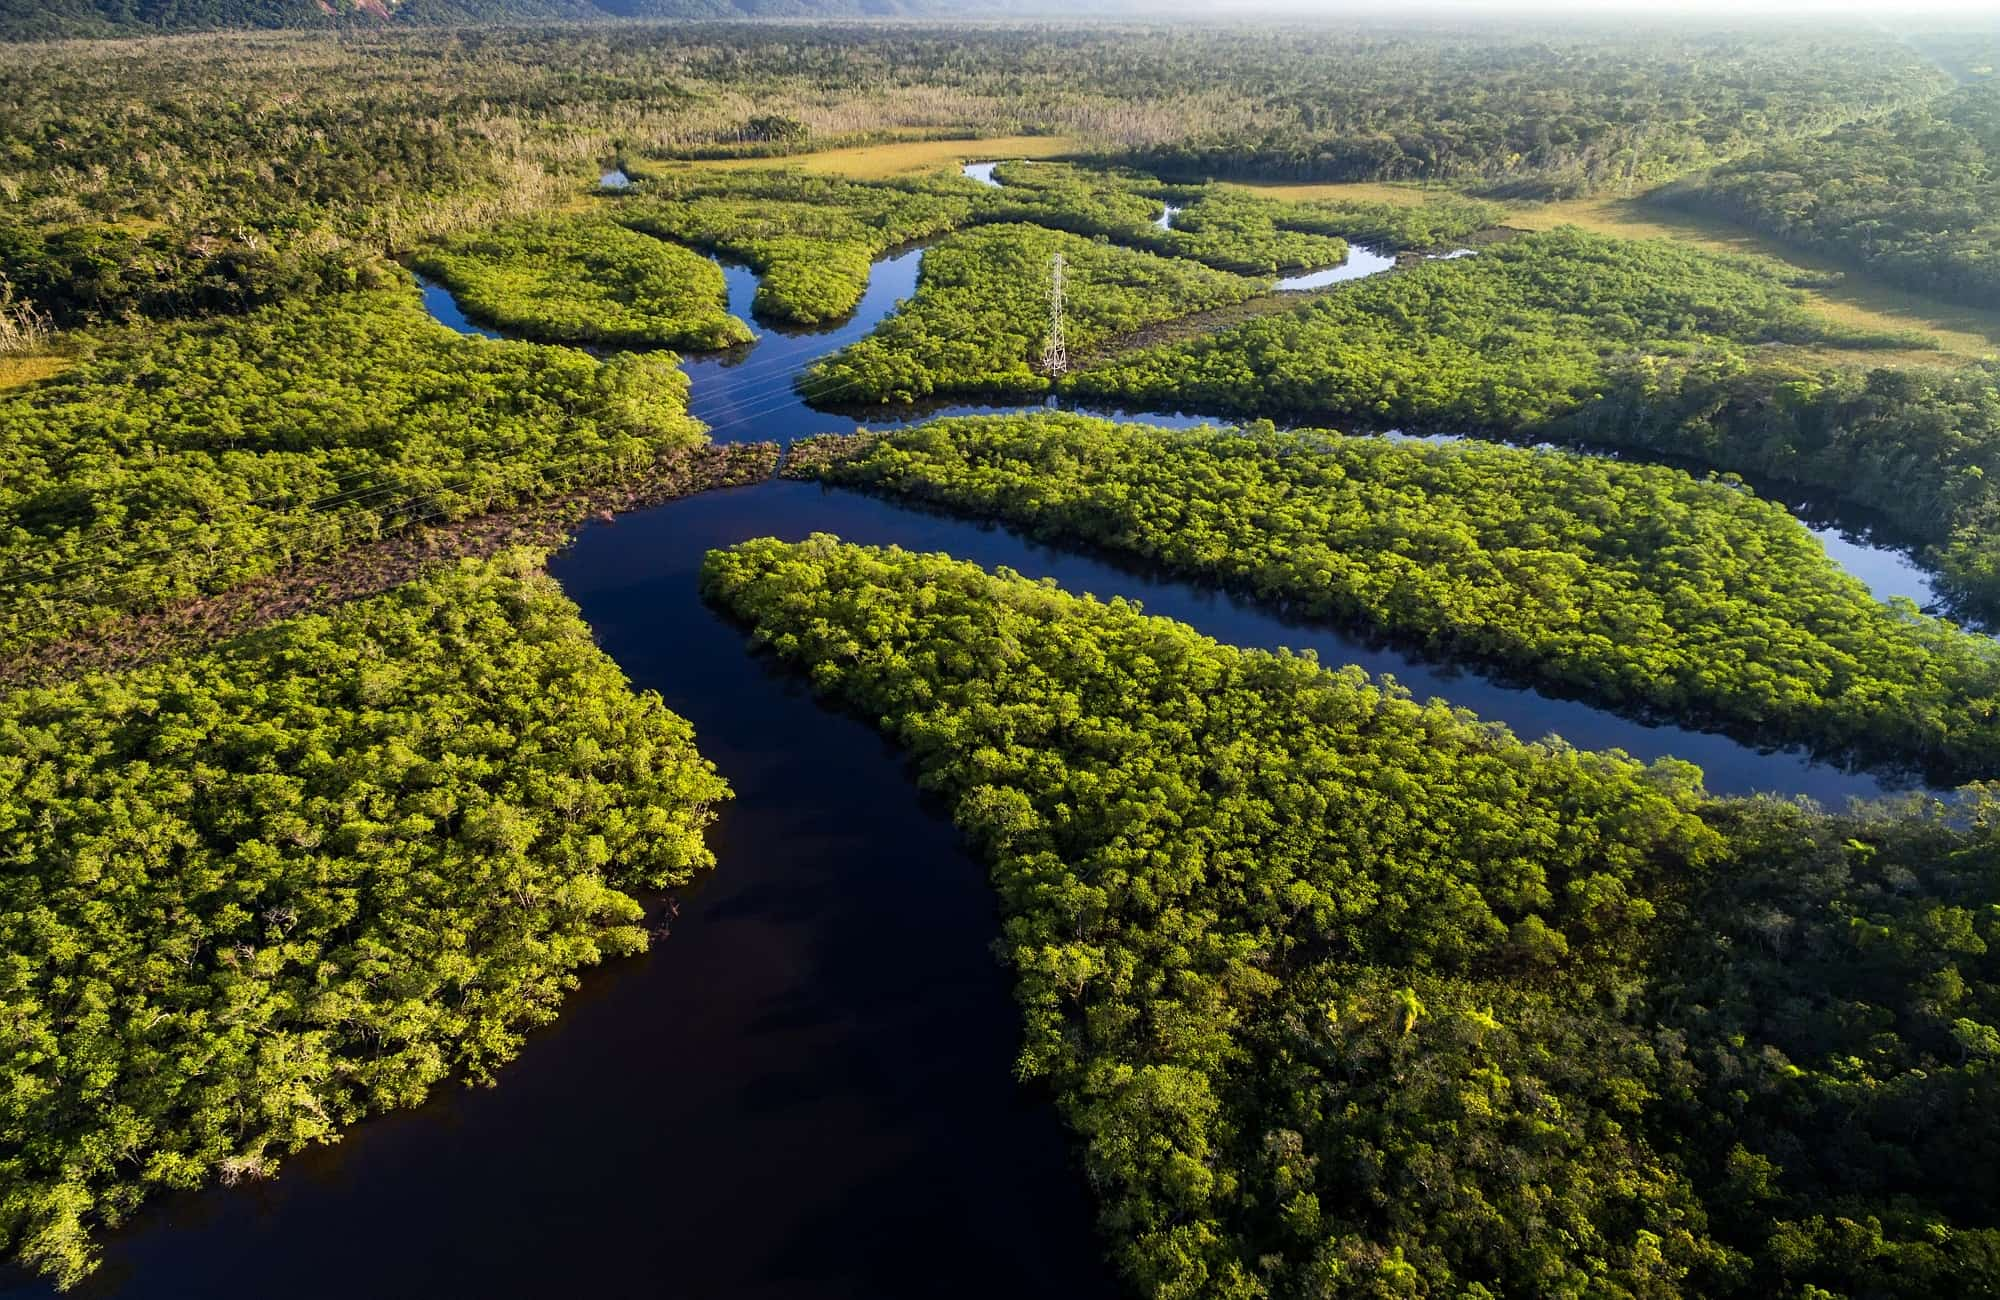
(1866, 10)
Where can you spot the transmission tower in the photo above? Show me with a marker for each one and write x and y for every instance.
(1055, 353)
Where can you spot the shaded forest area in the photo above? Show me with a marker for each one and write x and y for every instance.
(1345, 994)
(1637, 586)
(1913, 198)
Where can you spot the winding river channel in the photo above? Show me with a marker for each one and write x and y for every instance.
(806, 1090)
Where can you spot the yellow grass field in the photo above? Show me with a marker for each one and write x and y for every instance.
(874, 162)
(15, 371)
(1859, 299)
(1961, 333)
(1355, 191)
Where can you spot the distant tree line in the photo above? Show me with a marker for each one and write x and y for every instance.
(1914, 198)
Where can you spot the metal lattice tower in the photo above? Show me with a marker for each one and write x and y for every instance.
(1055, 353)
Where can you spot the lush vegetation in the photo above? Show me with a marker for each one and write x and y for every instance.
(1516, 336)
(250, 896)
(1914, 197)
(187, 459)
(93, 273)
(46, 18)
(1921, 448)
(1442, 220)
(1636, 585)
(1547, 108)
(1346, 995)
(586, 280)
(1542, 113)
(980, 314)
(230, 168)
(811, 238)
(1230, 230)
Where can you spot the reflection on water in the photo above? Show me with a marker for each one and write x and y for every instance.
(806, 1091)
(1886, 570)
(747, 394)
(1362, 261)
(444, 309)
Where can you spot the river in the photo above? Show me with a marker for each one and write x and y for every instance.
(805, 1091)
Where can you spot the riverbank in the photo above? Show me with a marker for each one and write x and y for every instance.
(375, 567)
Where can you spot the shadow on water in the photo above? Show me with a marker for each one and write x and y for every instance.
(747, 394)
(806, 1091)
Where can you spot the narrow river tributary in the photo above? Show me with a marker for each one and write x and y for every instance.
(805, 1091)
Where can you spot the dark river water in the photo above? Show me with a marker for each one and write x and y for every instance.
(806, 1090)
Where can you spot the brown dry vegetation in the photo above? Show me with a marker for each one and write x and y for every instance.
(874, 162)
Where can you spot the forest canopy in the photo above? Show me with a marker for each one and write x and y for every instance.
(249, 896)
(216, 172)
(185, 460)
(811, 238)
(1636, 586)
(1919, 447)
(586, 280)
(1516, 336)
(980, 314)
(1914, 198)
(1349, 995)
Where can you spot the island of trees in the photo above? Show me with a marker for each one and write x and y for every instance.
(1346, 994)
(315, 793)
(1639, 586)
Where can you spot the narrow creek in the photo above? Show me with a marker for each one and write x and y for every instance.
(806, 1091)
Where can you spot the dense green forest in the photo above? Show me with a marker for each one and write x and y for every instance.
(1635, 585)
(44, 19)
(1348, 995)
(811, 238)
(980, 314)
(1518, 335)
(1227, 229)
(1541, 108)
(206, 172)
(1343, 994)
(252, 895)
(586, 280)
(1914, 197)
(1920, 447)
(186, 459)
(1541, 114)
